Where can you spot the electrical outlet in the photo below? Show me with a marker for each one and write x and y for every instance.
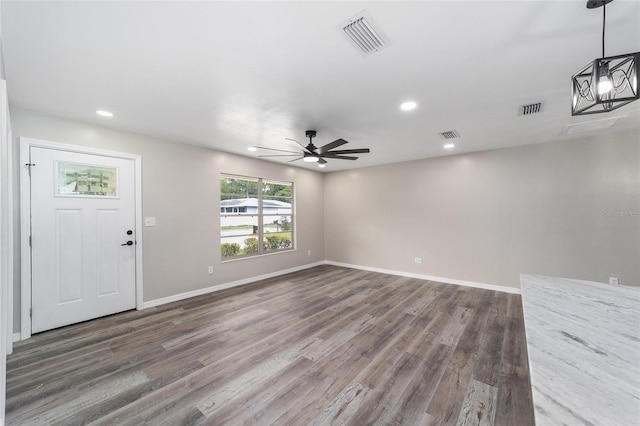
(150, 221)
(418, 260)
(613, 280)
(210, 270)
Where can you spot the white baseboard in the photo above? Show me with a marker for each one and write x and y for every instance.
(200, 292)
(157, 302)
(429, 277)
(181, 296)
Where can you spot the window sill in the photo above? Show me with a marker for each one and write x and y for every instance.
(253, 256)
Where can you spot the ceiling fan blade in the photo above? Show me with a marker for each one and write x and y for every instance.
(331, 145)
(295, 159)
(351, 151)
(303, 147)
(339, 157)
(279, 155)
(279, 150)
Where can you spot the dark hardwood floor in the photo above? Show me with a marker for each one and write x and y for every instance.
(323, 346)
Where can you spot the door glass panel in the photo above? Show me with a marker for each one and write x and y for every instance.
(87, 180)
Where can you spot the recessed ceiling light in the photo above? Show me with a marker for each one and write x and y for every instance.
(252, 148)
(321, 165)
(408, 106)
(449, 145)
(104, 113)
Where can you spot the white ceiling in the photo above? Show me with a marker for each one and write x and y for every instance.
(229, 75)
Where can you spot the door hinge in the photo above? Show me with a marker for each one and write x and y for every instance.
(30, 165)
(30, 312)
(29, 240)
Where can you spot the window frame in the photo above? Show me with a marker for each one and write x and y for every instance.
(261, 216)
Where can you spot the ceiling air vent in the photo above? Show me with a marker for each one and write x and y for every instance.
(451, 134)
(531, 108)
(362, 31)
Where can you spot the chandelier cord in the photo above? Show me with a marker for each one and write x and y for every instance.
(604, 14)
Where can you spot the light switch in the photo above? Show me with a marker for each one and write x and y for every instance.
(149, 221)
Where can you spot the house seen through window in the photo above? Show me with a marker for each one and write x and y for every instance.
(256, 216)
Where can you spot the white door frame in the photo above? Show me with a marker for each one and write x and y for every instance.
(6, 243)
(25, 220)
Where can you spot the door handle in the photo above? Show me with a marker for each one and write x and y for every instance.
(128, 243)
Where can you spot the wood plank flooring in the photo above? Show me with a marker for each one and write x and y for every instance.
(323, 346)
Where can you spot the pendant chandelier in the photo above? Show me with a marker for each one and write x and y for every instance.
(607, 83)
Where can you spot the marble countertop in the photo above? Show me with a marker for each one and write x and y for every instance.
(583, 341)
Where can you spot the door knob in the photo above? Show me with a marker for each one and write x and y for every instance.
(128, 243)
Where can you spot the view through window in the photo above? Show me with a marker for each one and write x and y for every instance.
(256, 216)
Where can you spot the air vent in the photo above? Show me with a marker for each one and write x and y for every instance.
(451, 134)
(364, 34)
(531, 108)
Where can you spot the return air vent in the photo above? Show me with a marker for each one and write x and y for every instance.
(362, 31)
(531, 108)
(450, 134)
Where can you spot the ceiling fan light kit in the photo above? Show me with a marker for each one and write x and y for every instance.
(310, 158)
(607, 83)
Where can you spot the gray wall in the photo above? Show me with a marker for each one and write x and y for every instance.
(567, 209)
(181, 189)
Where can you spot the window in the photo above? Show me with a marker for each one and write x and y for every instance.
(233, 209)
(256, 216)
(86, 180)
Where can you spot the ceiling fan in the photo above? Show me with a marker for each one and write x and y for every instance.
(312, 154)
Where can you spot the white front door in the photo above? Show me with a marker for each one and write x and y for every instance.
(82, 237)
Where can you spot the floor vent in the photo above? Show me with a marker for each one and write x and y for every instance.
(531, 108)
(364, 34)
(451, 134)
